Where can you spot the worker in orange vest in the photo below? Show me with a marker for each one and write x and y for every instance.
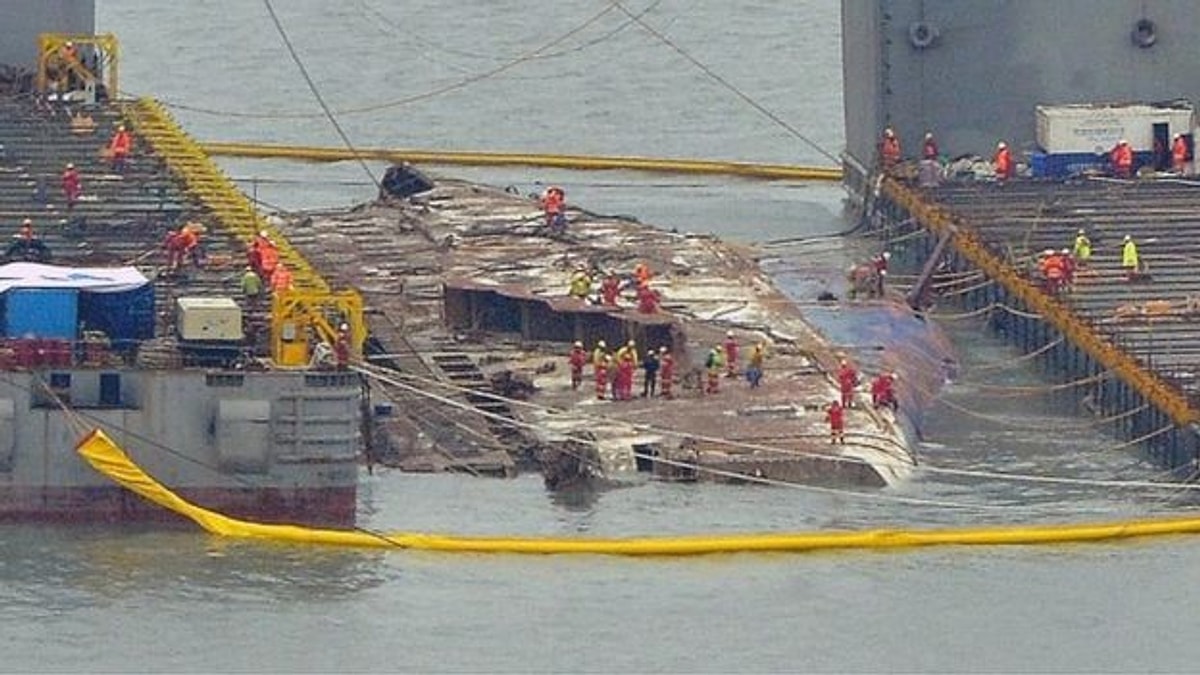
(1002, 161)
(1179, 155)
(281, 279)
(1122, 159)
(642, 273)
(1053, 271)
(119, 147)
(264, 256)
(889, 150)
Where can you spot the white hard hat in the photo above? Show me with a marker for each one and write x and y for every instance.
(1001, 145)
(578, 343)
(1128, 238)
(728, 333)
(601, 344)
(887, 254)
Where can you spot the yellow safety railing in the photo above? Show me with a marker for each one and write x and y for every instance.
(575, 162)
(205, 182)
(1160, 394)
(59, 52)
(104, 455)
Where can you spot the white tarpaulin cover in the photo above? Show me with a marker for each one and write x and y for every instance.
(93, 279)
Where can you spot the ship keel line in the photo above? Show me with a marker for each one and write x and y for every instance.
(103, 454)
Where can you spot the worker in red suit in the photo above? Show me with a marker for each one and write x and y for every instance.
(72, 186)
(930, 149)
(731, 354)
(883, 391)
(847, 378)
(600, 369)
(341, 347)
(578, 359)
(880, 265)
(1003, 163)
(626, 366)
(889, 150)
(1068, 265)
(610, 289)
(647, 299)
(1122, 159)
(1179, 155)
(554, 204)
(666, 371)
(836, 414)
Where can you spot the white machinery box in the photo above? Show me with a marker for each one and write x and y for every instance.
(208, 319)
(1096, 128)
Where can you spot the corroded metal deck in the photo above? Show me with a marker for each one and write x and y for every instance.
(1140, 339)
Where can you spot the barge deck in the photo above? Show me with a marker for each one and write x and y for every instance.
(1135, 343)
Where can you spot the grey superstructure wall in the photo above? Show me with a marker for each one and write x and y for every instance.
(993, 60)
(22, 20)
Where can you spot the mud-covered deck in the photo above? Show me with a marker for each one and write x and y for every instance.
(462, 282)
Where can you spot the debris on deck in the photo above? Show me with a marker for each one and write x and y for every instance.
(467, 298)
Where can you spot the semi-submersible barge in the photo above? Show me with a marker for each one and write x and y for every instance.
(212, 390)
(1093, 67)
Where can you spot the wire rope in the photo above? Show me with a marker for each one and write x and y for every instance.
(755, 446)
(407, 100)
(316, 92)
(728, 85)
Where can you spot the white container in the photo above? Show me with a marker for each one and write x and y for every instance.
(208, 319)
(1096, 127)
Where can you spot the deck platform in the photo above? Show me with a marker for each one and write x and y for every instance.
(1139, 339)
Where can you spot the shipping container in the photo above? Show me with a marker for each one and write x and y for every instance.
(41, 313)
(1096, 128)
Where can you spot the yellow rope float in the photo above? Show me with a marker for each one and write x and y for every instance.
(109, 459)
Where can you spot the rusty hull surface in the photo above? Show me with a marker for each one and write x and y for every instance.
(402, 253)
